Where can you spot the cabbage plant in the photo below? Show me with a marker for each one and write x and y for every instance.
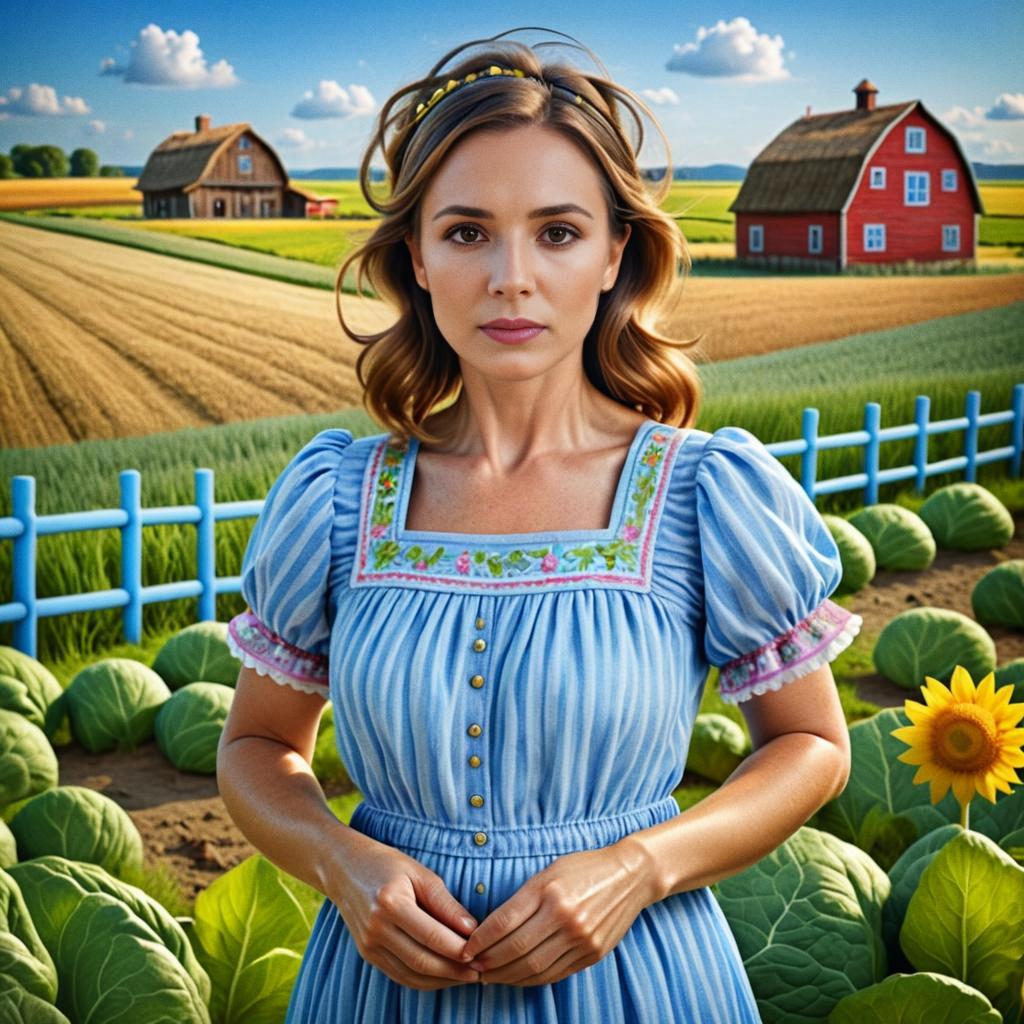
(78, 823)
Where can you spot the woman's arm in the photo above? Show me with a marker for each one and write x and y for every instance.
(801, 761)
(267, 784)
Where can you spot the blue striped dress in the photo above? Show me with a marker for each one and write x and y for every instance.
(503, 700)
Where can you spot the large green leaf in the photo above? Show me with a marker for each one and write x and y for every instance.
(252, 930)
(808, 922)
(53, 887)
(24, 960)
(114, 968)
(966, 919)
(921, 998)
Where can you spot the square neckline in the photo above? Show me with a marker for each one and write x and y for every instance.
(408, 469)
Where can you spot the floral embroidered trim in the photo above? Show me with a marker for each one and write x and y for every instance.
(271, 655)
(491, 564)
(812, 642)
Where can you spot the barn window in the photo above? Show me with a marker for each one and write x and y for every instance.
(878, 177)
(949, 181)
(755, 238)
(950, 237)
(243, 142)
(915, 188)
(814, 238)
(914, 140)
(245, 165)
(874, 238)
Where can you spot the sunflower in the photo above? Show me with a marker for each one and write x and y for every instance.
(964, 737)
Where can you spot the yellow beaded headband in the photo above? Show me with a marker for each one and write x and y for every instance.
(494, 69)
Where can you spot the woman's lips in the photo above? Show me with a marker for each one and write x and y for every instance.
(513, 337)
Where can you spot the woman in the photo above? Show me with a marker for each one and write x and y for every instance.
(514, 624)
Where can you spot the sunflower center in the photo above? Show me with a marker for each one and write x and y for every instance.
(965, 738)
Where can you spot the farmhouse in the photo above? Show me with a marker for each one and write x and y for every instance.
(867, 185)
(227, 171)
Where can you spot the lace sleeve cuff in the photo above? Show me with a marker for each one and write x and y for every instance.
(259, 648)
(814, 641)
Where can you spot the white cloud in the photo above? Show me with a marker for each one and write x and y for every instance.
(97, 127)
(331, 100)
(1009, 106)
(733, 49)
(167, 58)
(295, 138)
(37, 100)
(962, 117)
(999, 147)
(128, 134)
(660, 97)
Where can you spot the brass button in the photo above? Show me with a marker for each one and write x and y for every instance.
(476, 800)
(477, 681)
(480, 887)
(480, 838)
(479, 644)
(479, 623)
(474, 730)
(474, 761)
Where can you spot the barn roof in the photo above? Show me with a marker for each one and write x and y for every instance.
(184, 157)
(816, 163)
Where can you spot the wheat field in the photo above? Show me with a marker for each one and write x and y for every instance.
(101, 341)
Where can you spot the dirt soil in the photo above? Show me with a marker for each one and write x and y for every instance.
(185, 825)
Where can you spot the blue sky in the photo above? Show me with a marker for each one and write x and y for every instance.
(309, 78)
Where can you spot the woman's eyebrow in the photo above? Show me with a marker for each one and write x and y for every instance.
(544, 211)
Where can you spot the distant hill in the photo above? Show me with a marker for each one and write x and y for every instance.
(711, 172)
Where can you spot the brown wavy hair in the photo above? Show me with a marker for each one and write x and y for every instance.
(410, 369)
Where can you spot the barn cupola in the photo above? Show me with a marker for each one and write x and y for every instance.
(202, 122)
(865, 95)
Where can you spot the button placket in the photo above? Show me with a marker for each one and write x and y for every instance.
(477, 681)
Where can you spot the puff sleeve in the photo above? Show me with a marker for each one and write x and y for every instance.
(769, 563)
(284, 633)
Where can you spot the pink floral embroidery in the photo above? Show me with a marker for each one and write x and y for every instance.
(621, 552)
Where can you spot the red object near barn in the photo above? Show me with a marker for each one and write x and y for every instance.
(868, 185)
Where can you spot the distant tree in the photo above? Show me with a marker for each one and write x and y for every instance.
(111, 171)
(84, 163)
(44, 162)
(6, 166)
(18, 155)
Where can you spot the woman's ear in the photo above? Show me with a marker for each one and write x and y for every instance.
(611, 274)
(417, 263)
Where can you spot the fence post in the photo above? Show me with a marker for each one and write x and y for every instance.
(131, 554)
(922, 411)
(23, 508)
(872, 421)
(809, 457)
(1017, 427)
(972, 407)
(206, 554)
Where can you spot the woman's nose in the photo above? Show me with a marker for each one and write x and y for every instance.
(511, 269)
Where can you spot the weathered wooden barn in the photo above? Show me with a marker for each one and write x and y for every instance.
(228, 171)
(867, 185)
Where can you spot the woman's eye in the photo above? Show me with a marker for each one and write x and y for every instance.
(559, 230)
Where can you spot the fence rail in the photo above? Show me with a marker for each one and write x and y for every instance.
(25, 526)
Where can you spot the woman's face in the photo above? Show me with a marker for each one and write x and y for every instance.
(489, 249)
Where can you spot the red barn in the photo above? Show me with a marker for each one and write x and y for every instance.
(868, 185)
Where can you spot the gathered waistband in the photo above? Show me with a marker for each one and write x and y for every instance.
(557, 837)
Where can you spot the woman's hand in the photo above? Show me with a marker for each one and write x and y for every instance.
(401, 915)
(566, 917)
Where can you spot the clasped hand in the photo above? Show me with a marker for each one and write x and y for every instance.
(566, 917)
(405, 921)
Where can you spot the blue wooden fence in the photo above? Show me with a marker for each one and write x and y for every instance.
(24, 526)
